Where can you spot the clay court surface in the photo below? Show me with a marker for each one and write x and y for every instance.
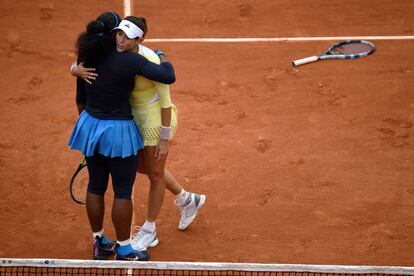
(310, 165)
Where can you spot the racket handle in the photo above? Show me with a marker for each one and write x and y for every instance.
(305, 60)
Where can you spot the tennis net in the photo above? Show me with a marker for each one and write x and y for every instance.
(88, 267)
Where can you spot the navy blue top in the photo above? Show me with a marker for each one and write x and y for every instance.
(108, 96)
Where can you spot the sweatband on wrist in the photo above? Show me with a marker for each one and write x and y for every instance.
(165, 133)
(72, 67)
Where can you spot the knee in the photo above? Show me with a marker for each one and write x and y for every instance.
(123, 193)
(156, 176)
(126, 196)
(97, 188)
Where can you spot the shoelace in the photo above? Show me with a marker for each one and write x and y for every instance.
(177, 204)
(182, 207)
(138, 234)
(186, 210)
(185, 204)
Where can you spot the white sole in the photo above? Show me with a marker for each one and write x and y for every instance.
(153, 243)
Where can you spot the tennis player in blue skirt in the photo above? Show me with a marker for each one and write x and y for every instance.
(106, 133)
(156, 118)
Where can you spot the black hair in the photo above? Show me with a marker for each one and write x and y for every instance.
(97, 41)
(139, 21)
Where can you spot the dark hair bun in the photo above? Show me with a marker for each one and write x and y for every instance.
(95, 27)
(110, 20)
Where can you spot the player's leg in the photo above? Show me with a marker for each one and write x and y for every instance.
(156, 170)
(123, 172)
(95, 205)
(147, 235)
(189, 203)
(172, 184)
(142, 167)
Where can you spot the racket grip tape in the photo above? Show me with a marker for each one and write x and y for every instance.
(305, 60)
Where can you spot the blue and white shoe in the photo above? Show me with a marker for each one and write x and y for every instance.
(102, 250)
(143, 239)
(133, 255)
(190, 209)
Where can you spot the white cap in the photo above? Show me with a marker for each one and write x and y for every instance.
(130, 29)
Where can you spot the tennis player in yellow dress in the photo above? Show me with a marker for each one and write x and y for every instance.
(156, 118)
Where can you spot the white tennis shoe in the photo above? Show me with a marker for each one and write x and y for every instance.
(143, 239)
(190, 209)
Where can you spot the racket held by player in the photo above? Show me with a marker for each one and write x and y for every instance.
(349, 49)
(79, 183)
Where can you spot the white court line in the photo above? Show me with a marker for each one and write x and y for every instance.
(127, 7)
(279, 39)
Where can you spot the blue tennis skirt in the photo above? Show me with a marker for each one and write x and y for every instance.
(111, 138)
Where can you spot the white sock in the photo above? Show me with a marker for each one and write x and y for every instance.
(98, 234)
(149, 225)
(182, 197)
(125, 242)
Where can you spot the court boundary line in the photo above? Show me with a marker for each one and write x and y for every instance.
(127, 8)
(277, 39)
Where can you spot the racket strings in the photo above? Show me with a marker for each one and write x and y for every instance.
(351, 49)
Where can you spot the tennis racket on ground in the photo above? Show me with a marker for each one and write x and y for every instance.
(343, 50)
(79, 183)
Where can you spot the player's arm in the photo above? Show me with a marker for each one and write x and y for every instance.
(165, 128)
(163, 72)
(165, 102)
(162, 56)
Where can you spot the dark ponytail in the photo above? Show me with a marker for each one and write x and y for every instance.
(97, 41)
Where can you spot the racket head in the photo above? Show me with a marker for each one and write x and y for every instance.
(79, 183)
(350, 49)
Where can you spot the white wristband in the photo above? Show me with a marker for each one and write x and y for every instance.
(165, 133)
(72, 67)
